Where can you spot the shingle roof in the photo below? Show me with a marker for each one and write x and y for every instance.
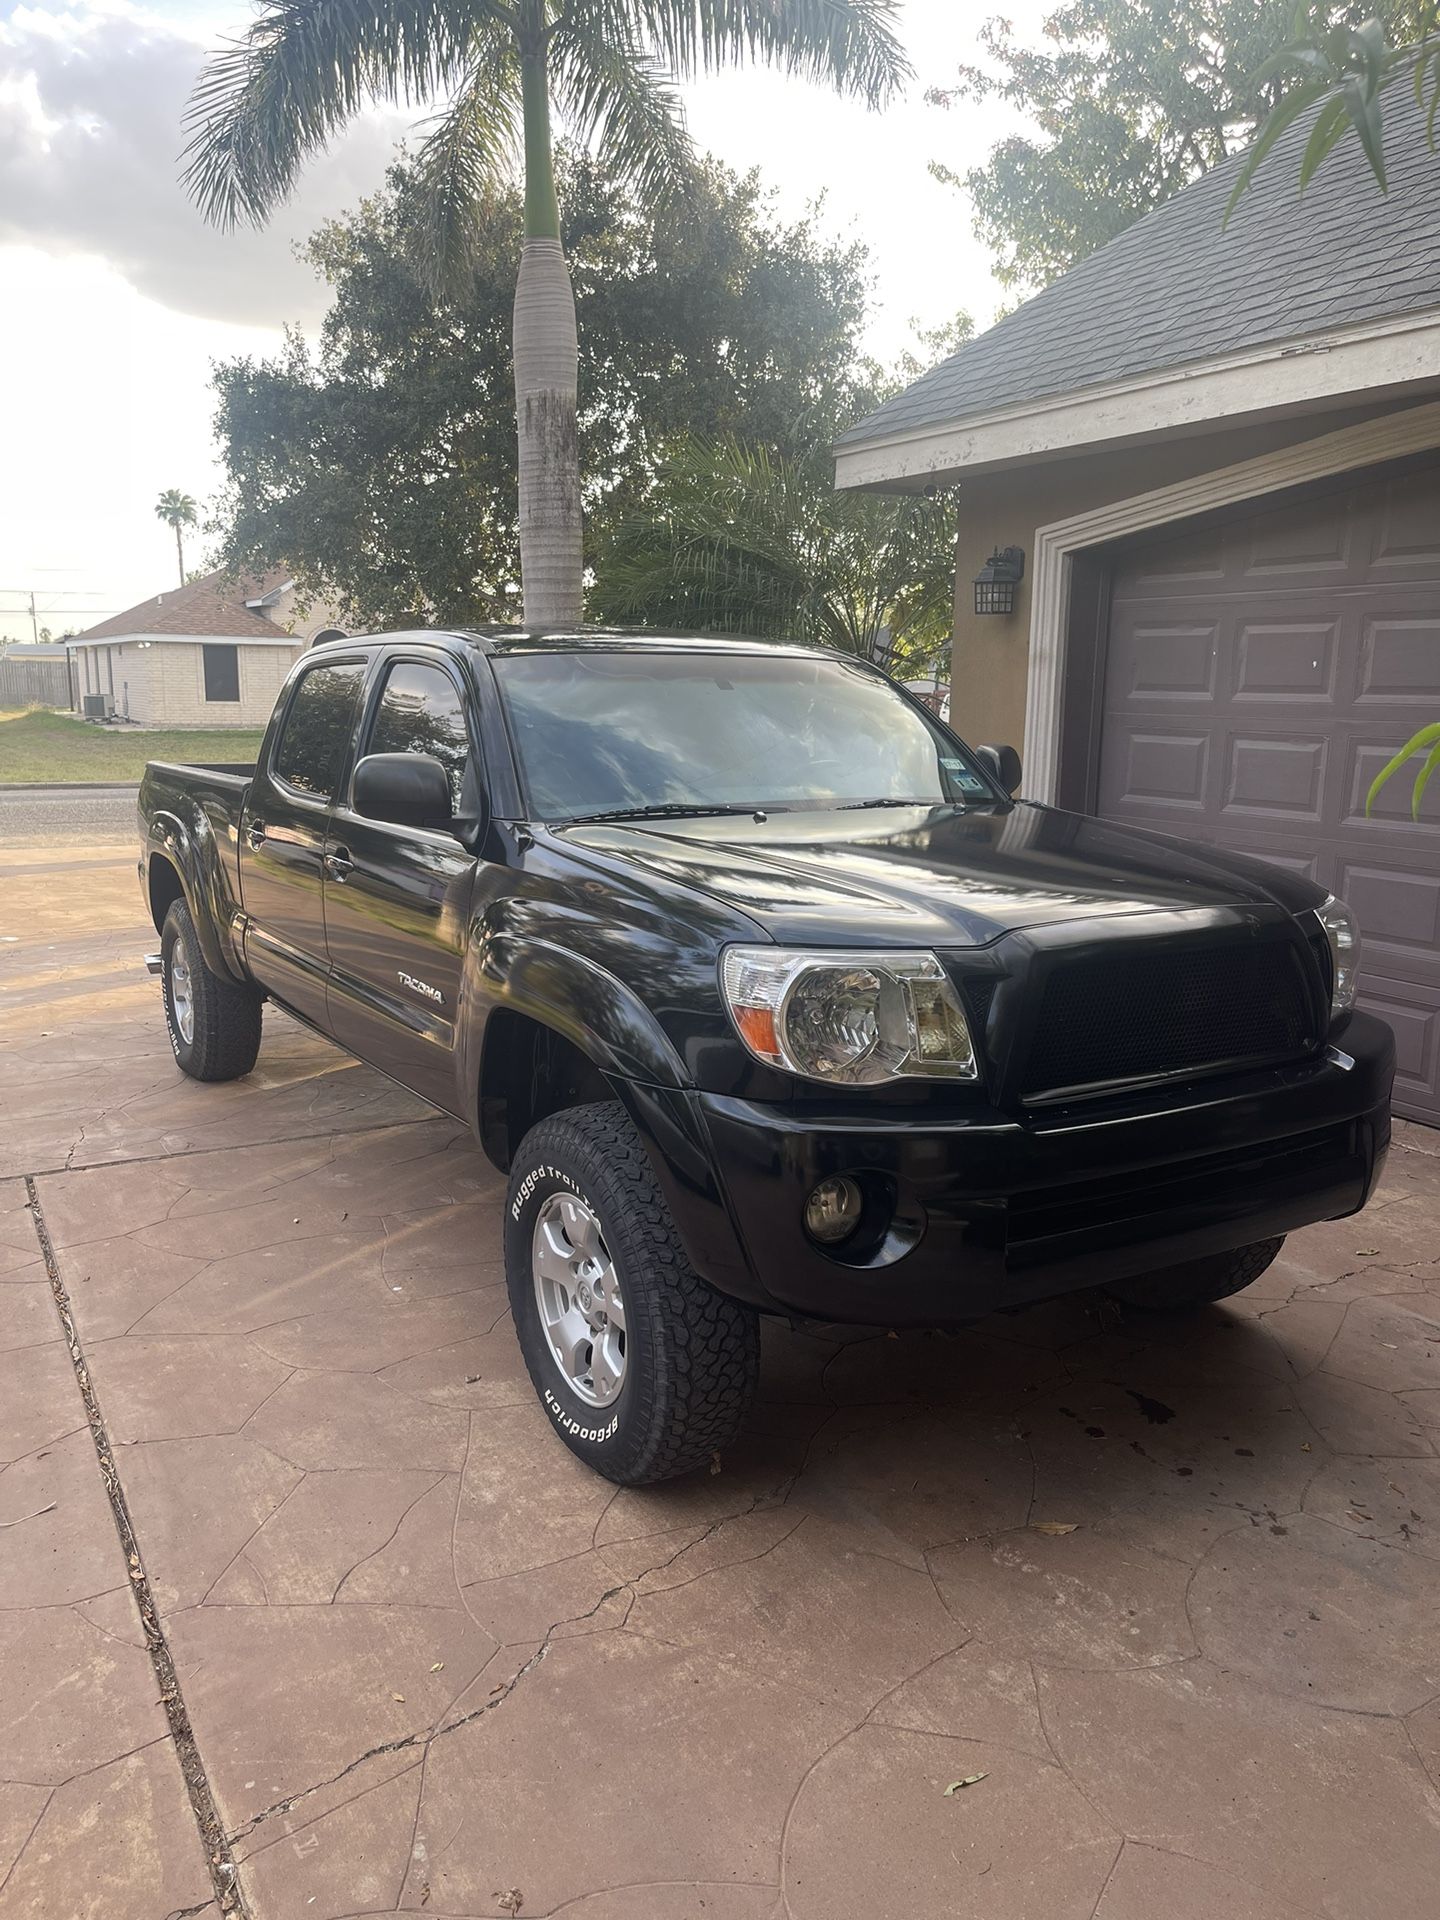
(211, 605)
(1175, 288)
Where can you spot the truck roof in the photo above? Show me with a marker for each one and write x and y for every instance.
(506, 640)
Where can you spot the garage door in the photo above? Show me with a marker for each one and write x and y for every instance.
(1259, 672)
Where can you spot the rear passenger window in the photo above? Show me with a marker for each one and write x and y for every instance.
(421, 711)
(317, 728)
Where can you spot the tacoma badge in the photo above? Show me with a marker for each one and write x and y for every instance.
(422, 986)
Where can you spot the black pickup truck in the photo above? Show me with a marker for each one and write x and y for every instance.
(768, 996)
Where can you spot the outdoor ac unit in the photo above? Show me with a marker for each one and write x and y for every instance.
(92, 705)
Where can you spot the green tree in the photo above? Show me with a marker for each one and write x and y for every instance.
(734, 539)
(179, 511)
(380, 465)
(1336, 71)
(1130, 100)
(305, 67)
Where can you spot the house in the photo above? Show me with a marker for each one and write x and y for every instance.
(212, 653)
(1218, 451)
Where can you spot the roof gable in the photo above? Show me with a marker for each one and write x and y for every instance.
(212, 605)
(1178, 287)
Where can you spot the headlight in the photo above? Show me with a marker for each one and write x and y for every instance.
(1343, 933)
(857, 1017)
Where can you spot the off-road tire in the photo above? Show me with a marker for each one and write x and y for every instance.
(225, 1042)
(692, 1356)
(1198, 1282)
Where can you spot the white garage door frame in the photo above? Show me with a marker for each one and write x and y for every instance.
(1056, 546)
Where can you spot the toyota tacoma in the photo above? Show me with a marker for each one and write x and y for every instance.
(769, 997)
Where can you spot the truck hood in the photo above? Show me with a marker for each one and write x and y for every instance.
(939, 876)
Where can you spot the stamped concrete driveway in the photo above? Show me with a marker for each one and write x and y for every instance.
(307, 1614)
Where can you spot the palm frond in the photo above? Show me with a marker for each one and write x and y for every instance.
(851, 44)
(622, 98)
(468, 150)
(270, 99)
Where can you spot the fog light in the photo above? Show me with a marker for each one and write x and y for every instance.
(833, 1210)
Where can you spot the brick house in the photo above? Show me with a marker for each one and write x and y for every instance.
(212, 653)
(1218, 451)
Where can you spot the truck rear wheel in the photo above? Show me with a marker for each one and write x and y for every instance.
(213, 1023)
(644, 1370)
(1198, 1282)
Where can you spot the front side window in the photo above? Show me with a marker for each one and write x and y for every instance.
(421, 711)
(222, 673)
(317, 728)
(619, 731)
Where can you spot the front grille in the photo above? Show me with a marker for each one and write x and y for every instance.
(1139, 1015)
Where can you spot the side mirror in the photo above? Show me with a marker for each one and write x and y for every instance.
(405, 789)
(1004, 763)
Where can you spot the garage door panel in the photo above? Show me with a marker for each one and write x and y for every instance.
(1287, 660)
(1276, 777)
(1160, 661)
(1306, 540)
(1366, 758)
(1397, 908)
(1406, 534)
(1258, 677)
(1415, 1022)
(1398, 650)
(1159, 769)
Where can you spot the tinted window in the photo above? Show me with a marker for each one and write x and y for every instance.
(317, 729)
(608, 731)
(222, 673)
(420, 711)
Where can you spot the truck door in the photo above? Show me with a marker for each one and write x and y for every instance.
(397, 899)
(282, 835)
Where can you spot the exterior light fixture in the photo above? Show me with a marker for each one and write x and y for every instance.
(997, 580)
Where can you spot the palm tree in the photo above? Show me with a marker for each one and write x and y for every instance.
(177, 510)
(735, 539)
(305, 67)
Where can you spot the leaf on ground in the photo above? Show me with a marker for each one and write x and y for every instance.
(1366, 1253)
(438, 1667)
(1055, 1526)
(970, 1780)
(398, 1696)
(510, 1901)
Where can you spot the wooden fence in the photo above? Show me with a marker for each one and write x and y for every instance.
(34, 683)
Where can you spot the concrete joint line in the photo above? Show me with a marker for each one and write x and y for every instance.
(219, 1860)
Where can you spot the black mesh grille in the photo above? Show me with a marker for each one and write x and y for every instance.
(1130, 1016)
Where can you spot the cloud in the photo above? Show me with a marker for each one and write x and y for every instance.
(91, 100)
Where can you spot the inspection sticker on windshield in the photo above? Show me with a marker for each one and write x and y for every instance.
(967, 781)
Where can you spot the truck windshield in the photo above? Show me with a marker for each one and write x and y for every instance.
(629, 732)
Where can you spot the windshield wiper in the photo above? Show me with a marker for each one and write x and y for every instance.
(855, 806)
(667, 810)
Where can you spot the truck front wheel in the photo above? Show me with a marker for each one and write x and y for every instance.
(644, 1370)
(213, 1023)
(1214, 1277)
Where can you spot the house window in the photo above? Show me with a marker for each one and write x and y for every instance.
(222, 673)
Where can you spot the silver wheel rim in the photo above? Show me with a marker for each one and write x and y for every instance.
(577, 1290)
(182, 996)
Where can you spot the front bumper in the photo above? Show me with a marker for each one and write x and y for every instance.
(998, 1212)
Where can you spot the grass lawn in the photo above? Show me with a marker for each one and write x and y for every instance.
(39, 746)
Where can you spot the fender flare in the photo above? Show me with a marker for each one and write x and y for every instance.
(578, 999)
(196, 859)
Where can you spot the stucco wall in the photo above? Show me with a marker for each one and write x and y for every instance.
(990, 655)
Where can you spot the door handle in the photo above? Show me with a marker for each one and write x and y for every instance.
(338, 864)
(255, 833)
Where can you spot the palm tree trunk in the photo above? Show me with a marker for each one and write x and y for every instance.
(547, 368)
(180, 553)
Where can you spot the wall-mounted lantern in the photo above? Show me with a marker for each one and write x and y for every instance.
(997, 580)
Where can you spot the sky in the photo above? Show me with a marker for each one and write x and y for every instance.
(115, 298)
